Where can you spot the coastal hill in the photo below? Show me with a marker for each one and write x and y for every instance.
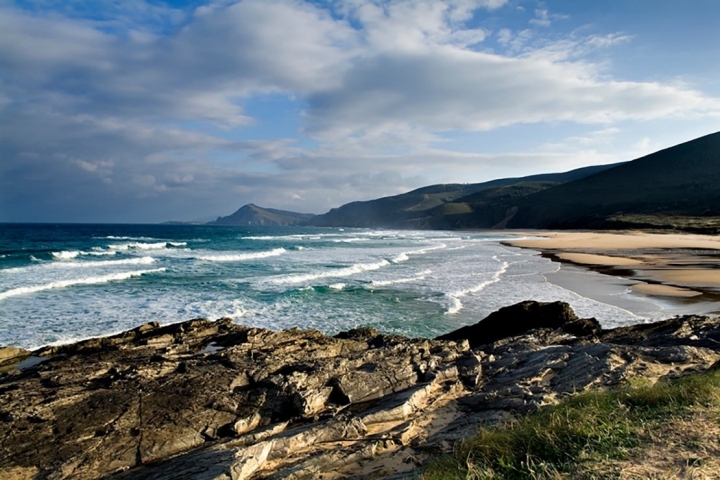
(683, 181)
(671, 188)
(252, 215)
(677, 188)
(444, 205)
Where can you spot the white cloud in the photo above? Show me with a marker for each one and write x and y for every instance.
(543, 18)
(446, 89)
(144, 101)
(504, 36)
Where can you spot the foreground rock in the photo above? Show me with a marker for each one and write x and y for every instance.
(215, 400)
(9, 355)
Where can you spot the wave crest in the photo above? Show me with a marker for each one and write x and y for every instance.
(454, 297)
(237, 257)
(146, 246)
(78, 281)
(338, 272)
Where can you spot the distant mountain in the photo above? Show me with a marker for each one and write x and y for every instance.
(251, 215)
(446, 205)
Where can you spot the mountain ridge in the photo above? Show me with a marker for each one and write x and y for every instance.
(680, 180)
(430, 206)
(674, 188)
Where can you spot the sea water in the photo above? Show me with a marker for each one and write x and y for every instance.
(60, 283)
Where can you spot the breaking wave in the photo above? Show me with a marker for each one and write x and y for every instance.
(455, 304)
(78, 281)
(106, 263)
(72, 254)
(238, 257)
(337, 272)
(146, 246)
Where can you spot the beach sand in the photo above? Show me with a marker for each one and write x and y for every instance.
(680, 266)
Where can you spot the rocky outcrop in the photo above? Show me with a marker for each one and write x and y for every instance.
(252, 215)
(215, 400)
(519, 318)
(12, 354)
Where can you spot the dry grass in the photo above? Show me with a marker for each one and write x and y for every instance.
(667, 430)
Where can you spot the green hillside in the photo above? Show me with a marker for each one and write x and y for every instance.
(683, 180)
(445, 205)
(676, 188)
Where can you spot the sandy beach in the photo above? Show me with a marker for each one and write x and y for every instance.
(665, 265)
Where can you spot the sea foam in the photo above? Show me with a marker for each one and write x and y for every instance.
(384, 283)
(237, 257)
(453, 298)
(78, 281)
(332, 273)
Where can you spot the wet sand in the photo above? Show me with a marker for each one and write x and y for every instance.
(679, 267)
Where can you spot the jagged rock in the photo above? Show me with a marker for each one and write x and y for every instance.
(215, 400)
(522, 317)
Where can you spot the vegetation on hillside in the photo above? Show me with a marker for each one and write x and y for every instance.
(681, 181)
(650, 429)
(445, 205)
(709, 225)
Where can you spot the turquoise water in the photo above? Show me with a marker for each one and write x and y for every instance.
(60, 283)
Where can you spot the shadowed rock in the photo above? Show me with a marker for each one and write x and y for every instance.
(216, 400)
(522, 317)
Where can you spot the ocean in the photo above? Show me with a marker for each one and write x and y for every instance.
(61, 283)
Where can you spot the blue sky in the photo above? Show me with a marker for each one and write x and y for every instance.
(145, 111)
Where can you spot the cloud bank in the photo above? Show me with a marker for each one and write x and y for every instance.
(141, 113)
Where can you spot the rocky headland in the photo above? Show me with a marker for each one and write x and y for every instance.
(215, 400)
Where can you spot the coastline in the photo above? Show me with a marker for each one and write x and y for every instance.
(213, 399)
(678, 272)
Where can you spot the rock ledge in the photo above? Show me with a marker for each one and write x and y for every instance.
(215, 400)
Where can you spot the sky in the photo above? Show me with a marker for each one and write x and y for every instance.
(140, 111)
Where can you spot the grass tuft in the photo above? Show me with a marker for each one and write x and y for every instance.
(588, 428)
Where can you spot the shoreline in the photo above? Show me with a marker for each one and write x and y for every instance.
(678, 272)
(614, 275)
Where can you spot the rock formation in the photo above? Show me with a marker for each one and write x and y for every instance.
(252, 215)
(215, 400)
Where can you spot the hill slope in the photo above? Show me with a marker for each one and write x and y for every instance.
(677, 188)
(443, 205)
(253, 215)
(683, 180)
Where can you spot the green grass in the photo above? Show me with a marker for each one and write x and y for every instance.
(569, 438)
(707, 225)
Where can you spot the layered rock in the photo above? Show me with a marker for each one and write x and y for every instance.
(204, 399)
